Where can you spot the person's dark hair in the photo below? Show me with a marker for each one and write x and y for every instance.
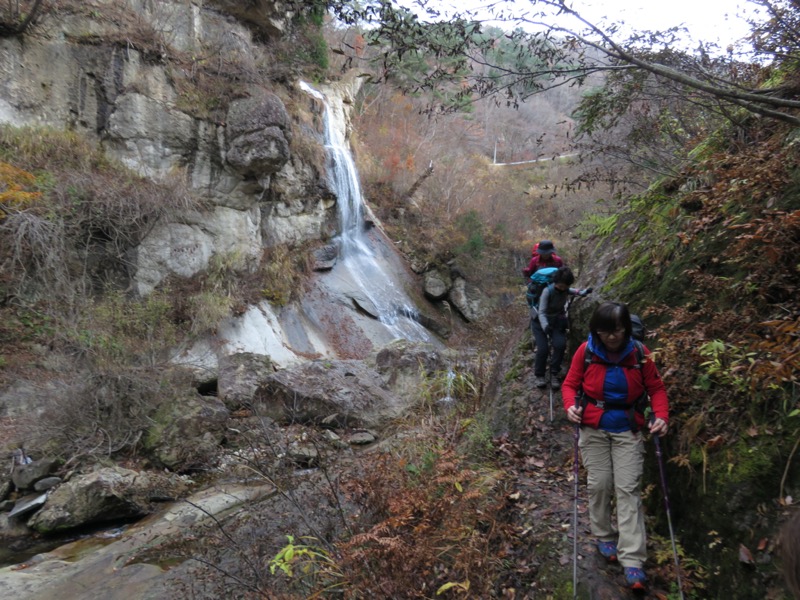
(609, 316)
(564, 275)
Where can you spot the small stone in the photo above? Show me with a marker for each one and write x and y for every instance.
(361, 438)
(333, 439)
(26, 475)
(27, 504)
(331, 436)
(305, 456)
(5, 489)
(45, 484)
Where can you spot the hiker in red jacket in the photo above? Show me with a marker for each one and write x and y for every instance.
(610, 376)
(790, 554)
(543, 255)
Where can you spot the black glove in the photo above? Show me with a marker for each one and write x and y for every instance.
(548, 330)
(586, 292)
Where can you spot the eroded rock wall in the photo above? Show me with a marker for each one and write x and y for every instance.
(111, 70)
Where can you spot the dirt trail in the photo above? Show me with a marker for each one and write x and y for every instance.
(541, 463)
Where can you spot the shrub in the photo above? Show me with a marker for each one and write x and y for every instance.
(91, 212)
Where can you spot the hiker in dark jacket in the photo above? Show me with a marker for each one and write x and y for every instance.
(790, 554)
(549, 326)
(619, 372)
(543, 255)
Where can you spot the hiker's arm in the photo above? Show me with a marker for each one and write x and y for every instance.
(573, 380)
(580, 292)
(544, 299)
(658, 396)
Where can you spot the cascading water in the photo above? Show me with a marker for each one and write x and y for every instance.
(357, 260)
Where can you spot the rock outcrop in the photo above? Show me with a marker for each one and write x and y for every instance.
(337, 393)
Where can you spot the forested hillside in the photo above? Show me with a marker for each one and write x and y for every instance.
(684, 203)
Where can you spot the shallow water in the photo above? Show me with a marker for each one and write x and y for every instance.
(86, 539)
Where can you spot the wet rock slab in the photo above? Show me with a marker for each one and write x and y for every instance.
(110, 571)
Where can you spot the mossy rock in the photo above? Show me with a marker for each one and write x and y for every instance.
(186, 433)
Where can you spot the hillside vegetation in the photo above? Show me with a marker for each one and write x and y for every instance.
(707, 250)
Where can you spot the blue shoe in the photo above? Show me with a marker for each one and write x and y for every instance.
(635, 578)
(608, 550)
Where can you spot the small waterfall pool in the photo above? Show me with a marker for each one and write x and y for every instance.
(358, 262)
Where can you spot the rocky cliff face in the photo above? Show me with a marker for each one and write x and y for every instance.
(128, 74)
(75, 70)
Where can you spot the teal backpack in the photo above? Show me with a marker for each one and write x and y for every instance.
(538, 281)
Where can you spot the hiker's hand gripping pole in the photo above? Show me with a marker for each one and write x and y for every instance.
(575, 413)
(658, 427)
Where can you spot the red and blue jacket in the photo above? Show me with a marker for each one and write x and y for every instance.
(614, 385)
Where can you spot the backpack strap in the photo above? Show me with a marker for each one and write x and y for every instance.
(638, 405)
(588, 356)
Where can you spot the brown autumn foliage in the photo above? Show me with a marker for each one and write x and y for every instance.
(443, 526)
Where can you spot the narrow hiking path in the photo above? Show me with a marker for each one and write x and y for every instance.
(540, 466)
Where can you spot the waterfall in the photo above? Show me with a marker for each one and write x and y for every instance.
(358, 262)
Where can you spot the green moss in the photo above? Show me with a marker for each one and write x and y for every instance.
(513, 372)
(160, 421)
(748, 461)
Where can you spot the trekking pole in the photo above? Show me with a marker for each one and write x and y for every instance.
(566, 333)
(669, 518)
(550, 385)
(575, 471)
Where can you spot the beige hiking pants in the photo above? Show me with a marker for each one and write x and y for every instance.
(614, 464)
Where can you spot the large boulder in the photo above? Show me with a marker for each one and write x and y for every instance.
(108, 494)
(343, 393)
(325, 258)
(404, 366)
(257, 134)
(240, 374)
(186, 434)
(437, 284)
(468, 299)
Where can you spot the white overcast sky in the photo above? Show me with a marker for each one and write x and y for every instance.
(707, 20)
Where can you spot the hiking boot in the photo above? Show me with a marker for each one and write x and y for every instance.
(607, 550)
(541, 382)
(555, 384)
(635, 578)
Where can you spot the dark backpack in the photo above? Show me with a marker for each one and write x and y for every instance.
(538, 281)
(638, 329)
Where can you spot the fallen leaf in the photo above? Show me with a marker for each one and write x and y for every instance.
(745, 556)
(762, 544)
